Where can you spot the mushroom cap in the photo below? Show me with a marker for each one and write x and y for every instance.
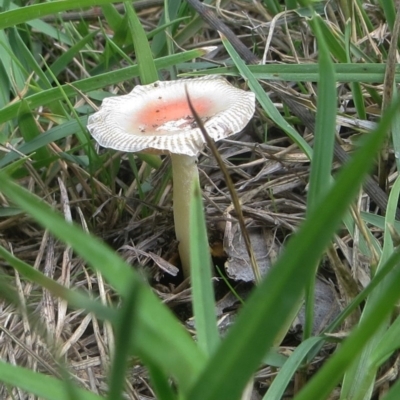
(157, 117)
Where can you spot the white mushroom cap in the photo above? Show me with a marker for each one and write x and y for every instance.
(157, 117)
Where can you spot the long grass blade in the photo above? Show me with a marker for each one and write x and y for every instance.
(27, 13)
(147, 68)
(201, 278)
(325, 124)
(45, 387)
(282, 380)
(125, 338)
(324, 138)
(368, 72)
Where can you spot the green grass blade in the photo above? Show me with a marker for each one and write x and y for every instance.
(265, 101)
(147, 69)
(82, 134)
(396, 134)
(368, 72)
(113, 17)
(29, 59)
(45, 28)
(285, 375)
(355, 86)
(325, 125)
(291, 4)
(189, 30)
(170, 347)
(5, 85)
(61, 62)
(159, 41)
(389, 10)
(30, 131)
(14, 71)
(161, 384)
(389, 343)
(27, 13)
(335, 44)
(202, 290)
(324, 138)
(358, 99)
(230, 368)
(48, 30)
(124, 339)
(46, 387)
(378, 221)
(272, 6)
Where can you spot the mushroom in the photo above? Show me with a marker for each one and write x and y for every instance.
(156, 118)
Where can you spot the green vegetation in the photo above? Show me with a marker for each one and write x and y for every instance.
(90, 306)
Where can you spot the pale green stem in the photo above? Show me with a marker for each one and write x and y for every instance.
(184, 174)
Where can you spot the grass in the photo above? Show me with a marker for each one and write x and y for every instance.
(92, 307)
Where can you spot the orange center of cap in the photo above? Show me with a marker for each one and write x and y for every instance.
(161, 111)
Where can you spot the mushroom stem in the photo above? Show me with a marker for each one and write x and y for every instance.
(184, 174)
